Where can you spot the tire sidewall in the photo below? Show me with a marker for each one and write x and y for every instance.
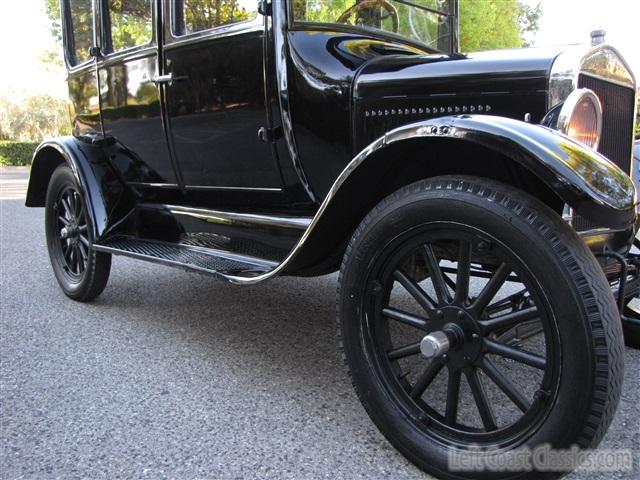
(62, 178)
(544, 255)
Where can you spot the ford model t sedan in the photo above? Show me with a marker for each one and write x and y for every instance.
(479, 207)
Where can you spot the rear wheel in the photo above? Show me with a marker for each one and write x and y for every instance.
(472, 316)
(82, 273)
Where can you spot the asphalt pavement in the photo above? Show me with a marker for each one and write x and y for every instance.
(176, 375)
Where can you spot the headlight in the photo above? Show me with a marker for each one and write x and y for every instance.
(581, 117)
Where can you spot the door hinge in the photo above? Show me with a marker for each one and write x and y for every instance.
(269, 134)
(264, 7)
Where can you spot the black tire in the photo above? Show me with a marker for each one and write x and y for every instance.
(82, 273)
(581, 378)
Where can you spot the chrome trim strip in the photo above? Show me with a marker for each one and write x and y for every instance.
(154, 185)
(250, 219)
(243, 189)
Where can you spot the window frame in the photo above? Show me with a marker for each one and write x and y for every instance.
(106, 43)
(68, 36)
(221, 30)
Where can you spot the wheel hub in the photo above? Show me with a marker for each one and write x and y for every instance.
(69, 232)
(455, 338)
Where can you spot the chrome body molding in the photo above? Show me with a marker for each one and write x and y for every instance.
(225, 188)
(602, 61)
(551, 151)
(246, 219)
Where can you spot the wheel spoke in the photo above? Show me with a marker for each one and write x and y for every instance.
(464, 270)
(453, 392)
(66, 206)
(504, 384)
(76, 195)
(72, 259)
(509, 320)
(480, 397)
(82, 228)
(64, 221)
(83, 251)
(423, 382)
(405, 318)
(490, 289)
(506, 302)
(415, 290)
(437, 277)
(81, 259)
(72, 202)
(516, 354)
(403, 352)
(67, 251)
(84, 240)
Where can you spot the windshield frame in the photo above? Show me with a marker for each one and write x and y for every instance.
(298, 25)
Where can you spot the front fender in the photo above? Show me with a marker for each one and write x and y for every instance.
(589, 183)
(593, 186)
(102, 189)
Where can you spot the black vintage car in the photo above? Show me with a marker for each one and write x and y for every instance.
(478, 207)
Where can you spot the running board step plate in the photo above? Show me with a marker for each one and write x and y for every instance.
(204, 260)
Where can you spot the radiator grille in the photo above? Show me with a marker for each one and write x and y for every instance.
(618, 103)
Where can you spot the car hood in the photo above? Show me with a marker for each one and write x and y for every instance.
(501, 71)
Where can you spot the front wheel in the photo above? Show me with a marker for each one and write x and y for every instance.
(82, 273)
(476, 324)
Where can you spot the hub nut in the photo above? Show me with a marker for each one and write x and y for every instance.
(435, 344)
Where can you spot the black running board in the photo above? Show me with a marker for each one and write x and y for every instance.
(204, 260)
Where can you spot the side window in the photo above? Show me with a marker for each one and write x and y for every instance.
(130, 23)
(191, 16)
(80, 30)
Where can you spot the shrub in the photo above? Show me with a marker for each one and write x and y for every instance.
(16, 153)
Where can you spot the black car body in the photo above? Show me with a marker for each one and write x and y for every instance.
(255, 148)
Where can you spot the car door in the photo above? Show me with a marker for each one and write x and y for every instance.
(216, 98)
(130, 92)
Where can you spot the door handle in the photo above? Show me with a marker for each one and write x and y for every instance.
(167, 79)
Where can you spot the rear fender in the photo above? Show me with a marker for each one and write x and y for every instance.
(107, 198)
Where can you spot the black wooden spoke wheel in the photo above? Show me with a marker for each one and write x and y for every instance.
(81, 272)
(472, 317)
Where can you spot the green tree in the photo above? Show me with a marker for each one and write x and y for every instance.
(495, 24)
(52, 9)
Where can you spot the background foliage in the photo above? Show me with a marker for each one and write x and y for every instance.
(16, 153)
(34, 118)
(495, 24)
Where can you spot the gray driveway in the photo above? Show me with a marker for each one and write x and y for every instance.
(176, 375)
